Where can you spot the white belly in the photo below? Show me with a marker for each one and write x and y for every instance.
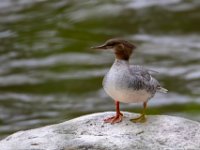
(122, 93)
(128, 96)
(116, 86)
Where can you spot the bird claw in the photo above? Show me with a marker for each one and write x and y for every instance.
(140, 119)
(114, 119)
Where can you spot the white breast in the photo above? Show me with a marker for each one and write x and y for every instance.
(113, 87)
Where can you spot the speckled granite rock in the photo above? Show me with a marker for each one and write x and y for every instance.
(89, 132)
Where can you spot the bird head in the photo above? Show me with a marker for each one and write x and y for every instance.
(122, 48)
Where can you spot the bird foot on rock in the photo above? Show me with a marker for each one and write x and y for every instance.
(140, 119)
(114, 119)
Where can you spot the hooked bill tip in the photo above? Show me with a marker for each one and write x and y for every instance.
(95, 47)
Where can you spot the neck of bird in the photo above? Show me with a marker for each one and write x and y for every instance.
(121, 62)
(122, 53)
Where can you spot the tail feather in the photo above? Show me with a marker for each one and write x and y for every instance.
(162, 90)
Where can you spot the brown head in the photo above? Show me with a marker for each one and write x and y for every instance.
(122, 49)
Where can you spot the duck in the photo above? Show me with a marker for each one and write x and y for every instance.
(128, 83)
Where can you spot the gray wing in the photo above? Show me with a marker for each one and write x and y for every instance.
(142, 79)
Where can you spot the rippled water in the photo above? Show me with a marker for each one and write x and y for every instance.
(48, 74)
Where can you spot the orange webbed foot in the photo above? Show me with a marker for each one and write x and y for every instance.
(114, 119)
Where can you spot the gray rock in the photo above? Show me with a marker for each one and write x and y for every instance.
(90, 132)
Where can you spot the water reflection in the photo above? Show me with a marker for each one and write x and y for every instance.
(48, 73)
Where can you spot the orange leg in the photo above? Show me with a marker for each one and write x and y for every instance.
(117, 118)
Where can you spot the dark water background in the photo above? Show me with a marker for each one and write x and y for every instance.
(48, 74)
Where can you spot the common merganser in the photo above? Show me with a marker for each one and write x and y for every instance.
(127, 83)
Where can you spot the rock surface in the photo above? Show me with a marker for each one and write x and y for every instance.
(89, 132)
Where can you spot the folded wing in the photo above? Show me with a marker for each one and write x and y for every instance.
(142, 79)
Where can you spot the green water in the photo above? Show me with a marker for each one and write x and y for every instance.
(49, 74)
